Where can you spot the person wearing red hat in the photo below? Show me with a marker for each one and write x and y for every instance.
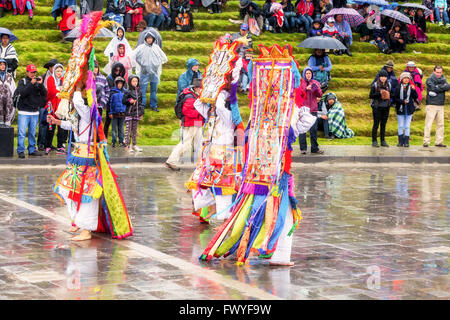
(32, 96)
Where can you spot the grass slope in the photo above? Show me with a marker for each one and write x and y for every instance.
(39, 41)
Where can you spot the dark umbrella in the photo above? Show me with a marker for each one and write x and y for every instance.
(396, 15)
(322, 42)
(416, 6)
(76, 32)
(12, 37)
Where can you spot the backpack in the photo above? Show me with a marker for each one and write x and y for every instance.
(179, 104)
(16, 95)
(182, 22)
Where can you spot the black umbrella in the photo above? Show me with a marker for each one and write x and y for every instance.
(322, 42)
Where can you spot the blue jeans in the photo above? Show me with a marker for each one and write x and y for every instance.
(115, 17)
(404, 123)
(28, 5)
(117, 126)
(24, 123)
(437, 15)
(145, 81)
(289, 22)
(326, 131)
(43, 127)
(312, 137)
(154, 20)
(245, 81)
(306, 20)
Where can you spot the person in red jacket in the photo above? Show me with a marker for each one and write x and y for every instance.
(309, 92)
(192, 124)
(54, 84)
(134, 14)
(305, 11)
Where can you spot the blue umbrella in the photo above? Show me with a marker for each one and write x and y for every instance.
(12, 37)
(380, 3)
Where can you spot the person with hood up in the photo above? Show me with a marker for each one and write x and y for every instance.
(54, 84)
(329, 30)
(133, 16)
(111, 48)
(404, 97)
(186, 78)
(7, 88)
(316, 29)
(150, 59)
(309, 92)
(115, 10)
(380, 93)
(416, 77)
(321, 66)
(345, 32)
(117, 111)
(118, 70)
(122, 57)
(437, 85)
(132, 99)
(336, 118)
(8, 52)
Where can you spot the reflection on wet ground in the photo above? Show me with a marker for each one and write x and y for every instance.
(369, 233)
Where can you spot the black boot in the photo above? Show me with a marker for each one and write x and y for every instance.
(400, 140)
(406, 141)
(375, 144)
(1, 12)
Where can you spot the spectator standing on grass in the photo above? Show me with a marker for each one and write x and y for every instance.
(118, 70)
(54, 84)
(437, 85)
(117, 112)
(150, 59)
(380, 93)
(309, 92)
(33, 96)
(404, 97)
(134, 113)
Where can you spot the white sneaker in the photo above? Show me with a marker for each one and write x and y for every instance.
(137, 149)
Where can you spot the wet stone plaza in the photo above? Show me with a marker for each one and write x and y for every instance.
(371, 232)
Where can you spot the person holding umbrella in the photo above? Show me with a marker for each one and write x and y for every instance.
(8, 52)
(320, 64)
(345, 32)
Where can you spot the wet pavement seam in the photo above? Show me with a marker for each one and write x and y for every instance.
(157, 255)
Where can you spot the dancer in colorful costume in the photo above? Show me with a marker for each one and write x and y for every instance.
(216, 177)
(265, 212)
(88, 185)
